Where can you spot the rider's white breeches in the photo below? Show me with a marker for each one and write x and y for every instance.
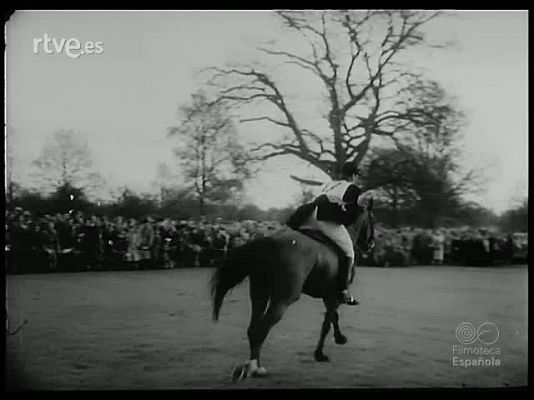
(338, 233)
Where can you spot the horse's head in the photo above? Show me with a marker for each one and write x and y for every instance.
(362, 231)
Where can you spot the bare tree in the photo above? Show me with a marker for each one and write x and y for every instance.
(357, 57)
(10, 183)
(424, 171)
(209, 151)
(165, 181)
(66, 161)
(389, 174)
(435, 141)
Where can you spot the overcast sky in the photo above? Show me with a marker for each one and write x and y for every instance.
(124, 99)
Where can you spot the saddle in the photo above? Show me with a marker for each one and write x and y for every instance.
(299, 217)
(322, 238)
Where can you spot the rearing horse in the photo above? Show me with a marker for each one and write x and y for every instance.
(280, 268)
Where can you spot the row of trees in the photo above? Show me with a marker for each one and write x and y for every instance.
(180, 205)
(378, 110)
(177, 205)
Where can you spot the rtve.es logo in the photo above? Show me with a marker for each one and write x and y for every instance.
(72, 47)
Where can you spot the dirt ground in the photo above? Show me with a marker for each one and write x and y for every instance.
(153, 330)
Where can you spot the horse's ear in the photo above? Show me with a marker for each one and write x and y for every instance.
(370, 205)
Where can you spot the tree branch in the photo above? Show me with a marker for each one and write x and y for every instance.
(306, 181)
(274, 121)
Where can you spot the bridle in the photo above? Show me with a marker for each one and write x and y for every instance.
(366, 246)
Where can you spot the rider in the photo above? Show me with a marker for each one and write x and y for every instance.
(337, 206)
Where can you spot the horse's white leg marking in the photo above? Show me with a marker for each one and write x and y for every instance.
(255, 370)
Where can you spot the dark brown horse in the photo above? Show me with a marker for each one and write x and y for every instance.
(280, 268)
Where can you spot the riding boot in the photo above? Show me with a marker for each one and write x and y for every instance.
(344, 272)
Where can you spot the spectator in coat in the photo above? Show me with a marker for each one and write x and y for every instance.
(438, 245)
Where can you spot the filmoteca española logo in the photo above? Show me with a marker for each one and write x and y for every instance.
(475, 349)
(487, 333)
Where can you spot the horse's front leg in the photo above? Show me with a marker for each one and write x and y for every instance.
(325, 328)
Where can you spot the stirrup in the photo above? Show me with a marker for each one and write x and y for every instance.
(351, 302)
(348, 300)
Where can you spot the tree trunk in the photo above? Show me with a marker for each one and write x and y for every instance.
(203, 176)
(395, 208)
(10, 192)
(201, 205)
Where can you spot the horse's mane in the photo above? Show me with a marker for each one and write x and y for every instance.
(353, 227)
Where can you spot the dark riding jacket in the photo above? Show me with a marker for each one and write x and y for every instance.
(343, 215)
(328, 211)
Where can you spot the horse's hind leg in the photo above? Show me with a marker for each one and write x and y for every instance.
(331, 309)
(259, 296)
(338, 336)
(257, 333)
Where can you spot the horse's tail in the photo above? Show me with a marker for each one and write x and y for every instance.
(237, 265)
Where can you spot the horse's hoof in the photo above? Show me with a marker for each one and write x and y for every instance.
(239, 373)
(260, 372)
(341, 339)
(321, 357)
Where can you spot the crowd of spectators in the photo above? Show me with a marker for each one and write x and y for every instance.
(73, 241)
(451, 246)
(77, 241)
